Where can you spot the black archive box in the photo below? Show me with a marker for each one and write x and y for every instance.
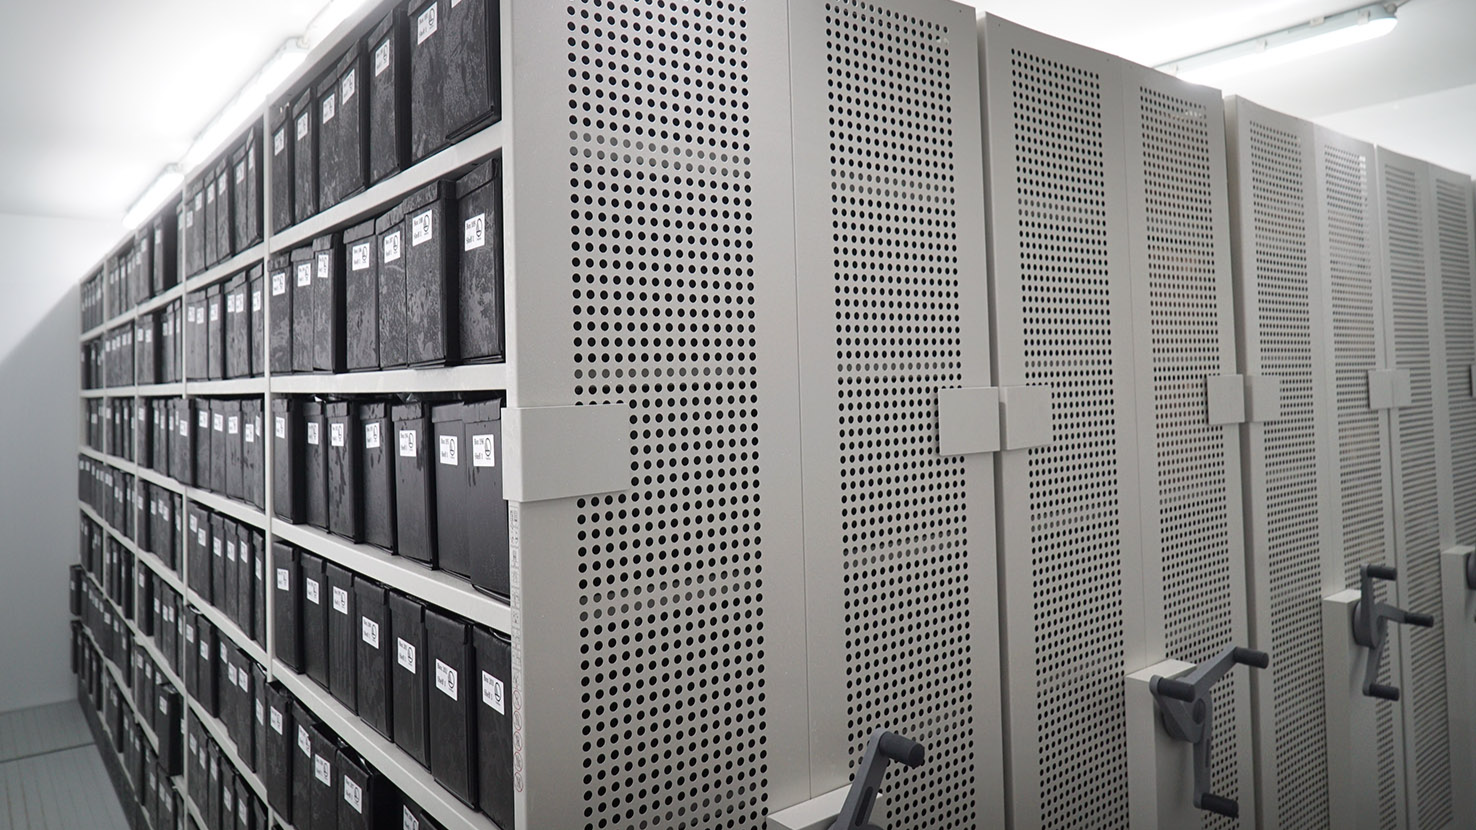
(287, 605)
(181, 442)
(415, 495)
(244, 597)
(227, 566)
(206, 647)
(212, 224)
(235, 465)
(215, 332)
(166, 246)
(377, 466)
(493, 686)
(289, 455)
(305, 156)
(361, 298)
(389, 84)
(325, 796)
(217, 446)
(365, 802)
(183, 227)
(373, 659)
(343, 630)
(259, 577)
(197, 550)
(427, 43)
(479, 194)
(328, 315)
(214, 592)
(256, 325)
(345, 489)
(473, 71)
(280, 278)
(343, 154)
(449, 448)
(283, 170)
(303, 265)
(281, 750)
(315, 462)
(485, 518)
(237, 328)
(200, 407)
(302, 765)
(212, 786)
(431, 317)
(246, 189)
(253, 453)
(164, 430)
(197, 357)
(452, 735)
(199, 775)
(260, 723)
(195, 224)
(315, 600)
(390, 229)
(225, 222)
(407, 675)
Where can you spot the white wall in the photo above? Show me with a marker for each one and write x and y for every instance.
(42, 260)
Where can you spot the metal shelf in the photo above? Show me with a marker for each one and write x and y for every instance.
(93, 333)
(158, 301)
(240, 262)
(217, 730)
(237, 386)
(403, 771)
(109, 392)
(228, 627)
(435, 587)
(157, 478)
(492, 376)
(126, 688)
(160, 390)
(239, 511)
(379, 198)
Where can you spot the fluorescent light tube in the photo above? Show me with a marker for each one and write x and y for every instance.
(247, 103)
(328, 19)
(154, 198)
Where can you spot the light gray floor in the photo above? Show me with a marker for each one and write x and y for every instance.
(51, 773)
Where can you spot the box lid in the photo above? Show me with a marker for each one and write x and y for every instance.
(337, 409)
(390, 220)
(372, 410)
(446, 412)
(411, 411)
(326, 242)
(359, 232)
(303, 254)
(482, 411)
(431, 193)
(479, 177)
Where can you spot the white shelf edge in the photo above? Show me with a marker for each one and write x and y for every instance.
(235, 386)
(478, 377)
(159, 390)
(159, 300)
(127, 689)
(229, 268)
(239, 511)
(109, 392)
(92, 333)
(225, 624)
(217, 730)
(435, 587)
(158, 479)
(399, 768)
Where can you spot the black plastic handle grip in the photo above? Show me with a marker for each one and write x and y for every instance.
(1251, 657)
(1420, 620)
(1176, 689)
(1227, 807)
(1379, 690)
(902, 749)
(1383, 572)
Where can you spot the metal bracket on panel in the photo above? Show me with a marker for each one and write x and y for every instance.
(560, 452)
(1388, 388)
(1371, 620)
(1239, 399)
(1025, 417)
(820, 812)
(968, 420)
(1350, 719)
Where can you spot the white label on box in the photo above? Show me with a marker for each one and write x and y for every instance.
(284, 580)
(279, 142)
(329, 108)
(199, 202)
(349, 87)
(231, 673)
(261, 713)
(371, 435)
(484, 452)
(241, 172)
(218, 422)
(227, 801)
(322, 770)
(281, 428)
(340, 600)
(407, 443)
(233, 425)
(189, 317)
(362, 256)
(325, 263)
(303, 124)
(204, 417)
(210, 192)
(410, 822)
(250, 436)
(215, 546)
(392, 247)
(425, 25)
(476, 232)
(304, 740)
(279, 284)
(422, 228)
(370, 631)
(448, 450)
(353, 794)
(494, 693)
(184, 426)
(242, 677)
(214, 312)
(312, 590)
(256, 300)
(304, 275)
(313, 433)
(202, 537)
(406, 654)
(381, 58)
(446, 679)
(336, 434)
(231, 551)
(204, 651)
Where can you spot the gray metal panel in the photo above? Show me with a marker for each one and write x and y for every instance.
(1192, 552)
(899, 550)
(659, 669)
(1282, 334)
(1068, 512)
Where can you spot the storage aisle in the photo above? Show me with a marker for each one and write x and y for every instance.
(51, 773)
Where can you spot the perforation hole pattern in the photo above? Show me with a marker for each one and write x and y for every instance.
(1362, 445)
(1419, 566)
(903, 510)
(671, 585)
(1185, 317)
(1453, 229)
(1076, 535)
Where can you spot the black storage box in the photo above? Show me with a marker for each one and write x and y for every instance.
(205, 643)
(287, 606)
(216, 524)
(431, 316)
(345, 491)
(281, 277)
(314, 618)
(245, 590)
(197, 355)
(289, 458)
(365, 804)
(201, 408)
(246, 193)
(281, 750)
(326, 92)
(256, 328)
(372, 663)
(217, 447)
(259, 585)
(472, 91)
(197, 546)
(389, 84)
(494, 726)
(415, 495)
(305, 156)
(237, 329)
(453, 483)
(449, 661)
(347, 155)
(196, 222)
(235, 466)
(215, 332)
(315, 457)
(226, 566)
(166, 247)
(343, 631)
(428, 69)
(361, 298)
(479, 195)
(302, 766)
(253, 453)
(181, 442)
(393, 344)
(260, 723)
(283, 170)
(328, 314)
(212, 221)
(325, 796)
(407, 676)
(486, 510)
(225, 222)
(302, 309)
(376, 462)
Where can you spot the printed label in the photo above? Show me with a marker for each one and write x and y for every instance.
(362, 256)
(392, 247)
(204, 419)
(476, 232)
(325, 263)
(233, 425)
(349, 86)
(189, 318)
(370, 631)
(281, 428)
(371, 435)
(256, 300)
(231, 673)
(425, 25)
(354, 795)
(204, 651)
(448, 450)
(303, 125)
(242, 678)
(381, 58)
(337, 434)
(184, 426)
(407, 443)
(494, 693)
(231, 552)
(422, 228)
(241, 173)
(304, 740)
(446, 679)
(279, 284)
(250, 436)
(313, 433)
(217, 421)
(261, 713)
(210, 193)
(410, 822)
(322, 770)
(329, 108)
(276, 720)
(215, 546)
(304, 275)
(312, 590)
(405, 654)
(202, 537)
(340, 600)
(284, 580)
(484, 453)
(214, 312)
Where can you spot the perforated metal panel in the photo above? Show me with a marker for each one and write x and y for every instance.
(1453, 241)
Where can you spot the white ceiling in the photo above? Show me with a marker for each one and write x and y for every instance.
(96, 96)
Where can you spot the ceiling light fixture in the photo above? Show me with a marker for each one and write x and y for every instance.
(1322, 34)
(154, 198)
(247, 103)
(328, 19)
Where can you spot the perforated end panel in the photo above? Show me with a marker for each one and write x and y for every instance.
(1415, 465)
(672, 570)
(904, 523)
(1076, 544)
(1453, 246)
(1362, 446)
